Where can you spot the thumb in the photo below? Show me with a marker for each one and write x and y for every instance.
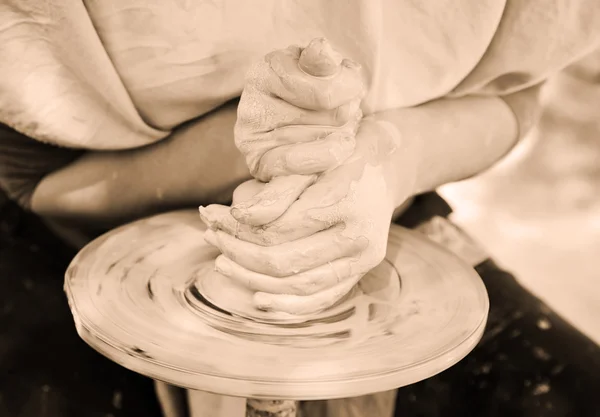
(319, 59)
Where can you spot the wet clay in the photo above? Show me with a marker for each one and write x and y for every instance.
(311, 96)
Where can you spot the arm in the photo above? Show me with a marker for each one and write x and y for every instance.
(453, 139)
(197, 164)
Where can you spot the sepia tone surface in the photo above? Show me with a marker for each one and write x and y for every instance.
(530, 361)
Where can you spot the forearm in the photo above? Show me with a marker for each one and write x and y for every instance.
(198, 164)
(453, 139)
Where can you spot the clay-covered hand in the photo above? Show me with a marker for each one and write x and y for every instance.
(333, 234)
(297, 117)
(307, 98)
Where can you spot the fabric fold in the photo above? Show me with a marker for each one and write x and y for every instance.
(58, 85)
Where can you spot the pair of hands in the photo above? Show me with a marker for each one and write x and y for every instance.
(316, 217)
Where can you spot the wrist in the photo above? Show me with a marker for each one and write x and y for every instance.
(447, 140)
(399, 156)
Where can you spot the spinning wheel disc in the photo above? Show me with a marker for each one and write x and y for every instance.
(135, 298)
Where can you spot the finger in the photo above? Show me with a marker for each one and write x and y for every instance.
(260, 112)
(304, 283)
(289, 135)
(306, 158)
(246, 190)
(255, 145)
(218, 217)
(294, 224)
(298, 304)
(213, 217)
(317, 209)
(289, 82)
(288, 258)
(319, 59)
(273, 200)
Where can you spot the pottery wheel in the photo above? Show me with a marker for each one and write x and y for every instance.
(141, 295)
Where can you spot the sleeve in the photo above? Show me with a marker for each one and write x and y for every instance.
(533, 42)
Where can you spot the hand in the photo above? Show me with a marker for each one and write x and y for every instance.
(337, 230)
(294, 97)
(297, 117)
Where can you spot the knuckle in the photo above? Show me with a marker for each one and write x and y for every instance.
(325, 97)
(264, 237)
(348, 244)
(288, 160)
(345, 271)
(274, 264)
(303, 288)
(258, 72)
(259, 171)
